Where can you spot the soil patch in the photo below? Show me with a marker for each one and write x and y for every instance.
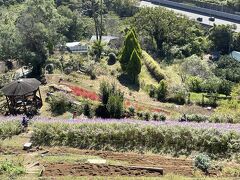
(97, 170)
(169, 165)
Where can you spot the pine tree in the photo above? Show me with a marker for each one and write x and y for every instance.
(130, 44)
(134, 66)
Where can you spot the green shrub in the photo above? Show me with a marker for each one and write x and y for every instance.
(147, 116)
(155, 117)
(152, 91)
(178, 95)
(112, 99)
(55, 62)
(162, 117)
(140, 115)
(222, 118)
(11, 169)
(197, 118)
(211, 85)
(106, 90)
(225, 87)
(87, 111)
(203, 162)
(97, 49)
(194, 84)
(131, 111)
(101, 111)
(153, 67)
(159, 117)
(115, 105)
(228, 68)
(112, 58)
(236, 92)
(228, 111)
(59, 103)
(9, 129)
(93, 75)
(50, 68)
(161, 91)
(76, 107)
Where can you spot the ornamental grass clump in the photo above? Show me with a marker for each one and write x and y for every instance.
(9, 127)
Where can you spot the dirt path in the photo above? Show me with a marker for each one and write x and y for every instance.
(32, 167)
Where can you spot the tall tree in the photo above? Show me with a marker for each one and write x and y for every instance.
(94, 9)
(123, 8)
(9, 38)
(221, 37)
(38, 27)
(75, 28)
(134, 66)
(130, 44)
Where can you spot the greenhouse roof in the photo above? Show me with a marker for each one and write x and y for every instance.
(235, 55)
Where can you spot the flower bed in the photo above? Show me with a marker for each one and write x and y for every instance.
(77, 91)
(218, 140)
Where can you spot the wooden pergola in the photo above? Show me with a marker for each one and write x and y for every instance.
(23, 96)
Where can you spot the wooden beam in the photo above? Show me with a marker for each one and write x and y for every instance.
(9, 108)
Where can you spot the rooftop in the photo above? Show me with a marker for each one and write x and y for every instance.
(105, 39)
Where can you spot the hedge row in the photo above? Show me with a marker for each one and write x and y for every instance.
(133, 137)
(153, 67)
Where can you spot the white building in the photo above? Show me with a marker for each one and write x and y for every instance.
(77, 47)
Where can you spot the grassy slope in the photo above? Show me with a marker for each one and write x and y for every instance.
(110, 74)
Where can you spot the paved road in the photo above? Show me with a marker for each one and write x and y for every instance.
(194, 15)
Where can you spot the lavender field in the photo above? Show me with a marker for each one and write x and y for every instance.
(217, 140)
(223, 127)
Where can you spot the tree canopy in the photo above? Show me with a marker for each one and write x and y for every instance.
(38, 26)
(167, 30)
(221, 37)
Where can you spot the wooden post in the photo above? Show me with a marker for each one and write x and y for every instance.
(202, 99)
(24, 104)
(35, 98)
(13, 105)
(10, 111)
(39, 93)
